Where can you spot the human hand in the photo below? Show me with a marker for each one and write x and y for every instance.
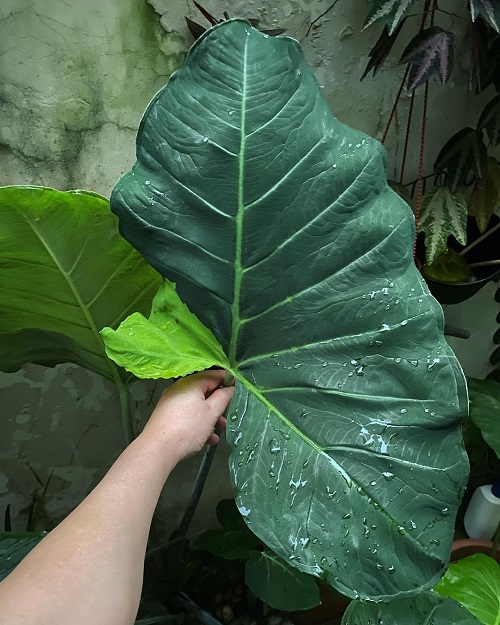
(189, 410)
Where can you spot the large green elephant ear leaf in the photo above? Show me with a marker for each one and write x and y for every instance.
(277, 225)
(65, 273)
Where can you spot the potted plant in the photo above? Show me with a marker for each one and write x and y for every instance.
(454, 203)
(322, 477)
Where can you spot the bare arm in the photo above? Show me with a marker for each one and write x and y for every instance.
(89, 569)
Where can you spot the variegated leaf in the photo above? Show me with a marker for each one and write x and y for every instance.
(443, 213)
(486, 195)
(490, 120)
(389, 11)
(464, 154)
(489, 9)
(430, 52)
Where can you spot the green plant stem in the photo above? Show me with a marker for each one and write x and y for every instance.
(126, 412)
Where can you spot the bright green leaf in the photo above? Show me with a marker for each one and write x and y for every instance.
(65, 273)
(443, 213)
(278, 584)
(277, 225)
(170, 344)
(484, 398)
(475, 583)
(485, 196)
(13, 548)
(424, 609)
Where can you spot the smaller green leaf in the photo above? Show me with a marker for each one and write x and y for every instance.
(464, 154)
(484, 396)
(485, 196)
(426, 608)
(172, 343)
(278, 584)
(391, 12)
(475, 583)
(227, 543)
(13, 548)
(490, 120)
(443, 213)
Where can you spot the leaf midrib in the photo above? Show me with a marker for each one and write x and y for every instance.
(113, 372)
(238, 270)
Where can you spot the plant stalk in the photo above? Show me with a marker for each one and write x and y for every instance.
(485, 263)
(480, 239)
(126, 412)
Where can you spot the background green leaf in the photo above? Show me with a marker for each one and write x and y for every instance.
(484, 398)
(278, 584)
(391, 12)
(475, 583)
(277, 225)
(65, 273)
(463, 155)
(13, 548)
(424, 609)
(230, 544)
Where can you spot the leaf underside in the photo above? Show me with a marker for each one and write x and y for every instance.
(485, 196)
(277, 225)
(65, 273)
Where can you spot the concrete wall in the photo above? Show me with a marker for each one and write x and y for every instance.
(74, 80)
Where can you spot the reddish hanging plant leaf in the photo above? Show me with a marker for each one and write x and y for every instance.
(464, 154)
(389, 11)
(430, 52)
(485, 195)
(381, 49)
(194, 28)
(490, 120)
(489, 9)
(197, 30)
(478, 54)
(213, 20)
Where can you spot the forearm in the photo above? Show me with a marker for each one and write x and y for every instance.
(89, 569)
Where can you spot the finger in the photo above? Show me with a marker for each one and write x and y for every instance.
(221, 423)
(219, 400)
(209, 380)
(213, 439)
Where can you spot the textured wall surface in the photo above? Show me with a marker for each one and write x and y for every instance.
(75, 78)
